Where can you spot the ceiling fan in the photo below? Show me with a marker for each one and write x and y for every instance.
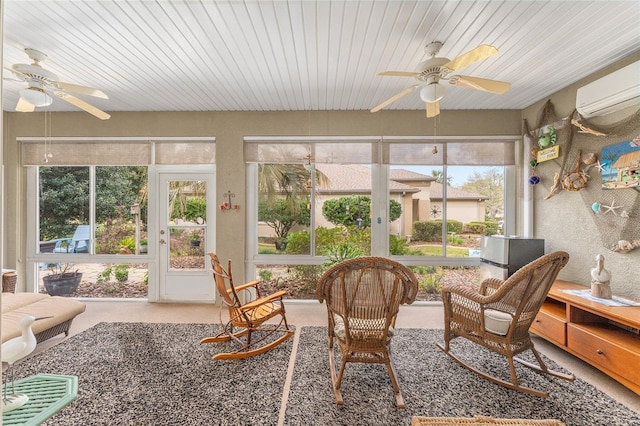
(431, 72)
(43, 83)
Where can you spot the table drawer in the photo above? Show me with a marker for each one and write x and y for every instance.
(550, 328)
(605, 354)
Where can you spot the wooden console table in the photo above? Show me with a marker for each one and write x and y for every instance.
(606, 337)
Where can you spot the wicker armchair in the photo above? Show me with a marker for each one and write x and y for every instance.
(248, 317)
(499, 315)
(363, 296)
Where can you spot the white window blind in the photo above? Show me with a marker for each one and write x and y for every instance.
(458, 151)
(498, 151)
(316, 150)
(116, 151)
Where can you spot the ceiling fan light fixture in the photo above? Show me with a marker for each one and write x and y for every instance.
(36, 97)
(432, 92)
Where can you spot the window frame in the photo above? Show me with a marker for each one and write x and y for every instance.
(379, 200)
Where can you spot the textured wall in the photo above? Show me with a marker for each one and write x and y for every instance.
(566, 220)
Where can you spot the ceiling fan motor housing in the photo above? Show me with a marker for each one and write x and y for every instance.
(430, 69)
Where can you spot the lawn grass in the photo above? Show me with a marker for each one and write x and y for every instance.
(437, 251)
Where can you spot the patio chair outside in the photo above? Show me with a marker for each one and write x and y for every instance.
(498, 316)
(363, 297)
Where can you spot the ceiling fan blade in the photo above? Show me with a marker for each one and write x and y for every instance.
(479, 53)
(19, 77)
(492, 86)
(399, 73)
(82, 105)
(24, 106)
(395, 97)
(433, 109)
(82, 90)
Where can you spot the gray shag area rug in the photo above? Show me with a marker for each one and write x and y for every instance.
(434, 385)
(159, 374)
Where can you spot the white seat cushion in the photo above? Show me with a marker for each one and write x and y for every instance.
(497, 322)
(367, 326)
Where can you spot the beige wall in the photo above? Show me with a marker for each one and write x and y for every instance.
(228, 128)
(566, 222)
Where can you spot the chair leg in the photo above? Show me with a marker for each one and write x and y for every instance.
(394, 383)
(335, 383)
(542, 367)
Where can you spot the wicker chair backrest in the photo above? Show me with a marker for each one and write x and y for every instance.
(365, 293)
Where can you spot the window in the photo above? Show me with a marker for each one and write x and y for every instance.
(92, 209)
(379, 196)
(107, 199)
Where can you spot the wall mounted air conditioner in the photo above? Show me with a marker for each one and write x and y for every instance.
(620, 89)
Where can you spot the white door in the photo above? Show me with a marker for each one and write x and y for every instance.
(186, 233)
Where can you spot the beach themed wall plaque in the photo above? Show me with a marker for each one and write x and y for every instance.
(621, 165)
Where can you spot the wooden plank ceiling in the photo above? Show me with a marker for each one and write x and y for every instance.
(281, 55)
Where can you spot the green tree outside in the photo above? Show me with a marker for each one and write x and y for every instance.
(349, 210)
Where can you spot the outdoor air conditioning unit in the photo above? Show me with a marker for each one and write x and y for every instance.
(618, 90)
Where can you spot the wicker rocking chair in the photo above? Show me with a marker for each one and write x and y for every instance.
(499, 315)
(363, 297)
(248, 317)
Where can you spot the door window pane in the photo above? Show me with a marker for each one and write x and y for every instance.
(187, 213)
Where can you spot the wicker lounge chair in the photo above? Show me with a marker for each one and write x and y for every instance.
(363, 296)
(248, 316)
(499, 315)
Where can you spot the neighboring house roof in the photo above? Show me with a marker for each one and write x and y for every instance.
(354, 178)
(406, 176)
(454, 193)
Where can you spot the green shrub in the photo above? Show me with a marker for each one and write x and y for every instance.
(347, 210)
(299, 243)
(491, 228)
(110, 234)
(327, 237)
(360, 238)
(307, 276)
(431, 230)
(427, 231)
(488, 227)
(105, 275)
(128, 242)
(265, 275)
(422, 269)
(474, 227)
(399, 246)
(121, 272)
(340, 252)
(431, 280)
(455, 240)
(196, 208)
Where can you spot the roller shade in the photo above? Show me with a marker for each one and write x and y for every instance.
(454, 151)
(116, 152)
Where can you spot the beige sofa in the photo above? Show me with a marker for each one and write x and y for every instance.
(62, 311)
